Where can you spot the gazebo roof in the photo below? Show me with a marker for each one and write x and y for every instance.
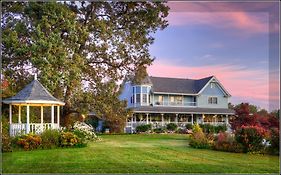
(33, 93)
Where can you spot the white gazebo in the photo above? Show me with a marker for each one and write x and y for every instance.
(34, 94)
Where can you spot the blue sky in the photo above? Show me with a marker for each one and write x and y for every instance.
(229, 40)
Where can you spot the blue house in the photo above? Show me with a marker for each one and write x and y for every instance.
(159, 101)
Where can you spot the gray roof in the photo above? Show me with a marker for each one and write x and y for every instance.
(34, 91)
(194, 110)
(178, 85)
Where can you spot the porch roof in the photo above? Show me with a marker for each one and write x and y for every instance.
(186, 110)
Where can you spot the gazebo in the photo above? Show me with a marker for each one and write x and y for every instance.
(33, 94)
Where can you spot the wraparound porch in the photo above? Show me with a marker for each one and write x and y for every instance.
(162, 119)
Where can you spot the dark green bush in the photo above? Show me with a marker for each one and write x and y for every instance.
(143, 128)
(207, 128)
(172, 127)
(188, 126)
(50, 138)
(159, 130)
(220, 128)
(274, 141)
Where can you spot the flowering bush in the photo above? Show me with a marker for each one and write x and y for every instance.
(226, 142)
(29, 141)
(84, 131)
(69, 139)
(6, 143)
(251, 137)
(199, 140)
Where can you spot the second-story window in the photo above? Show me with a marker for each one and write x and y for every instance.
(137, 98)
(212, 100)
(144, 98)
(160, 99)
(179, 100)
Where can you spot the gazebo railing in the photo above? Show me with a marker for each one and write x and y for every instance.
(35, 128)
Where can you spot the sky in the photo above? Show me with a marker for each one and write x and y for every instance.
(236, 42)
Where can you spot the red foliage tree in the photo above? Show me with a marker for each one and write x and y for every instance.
(243, 117)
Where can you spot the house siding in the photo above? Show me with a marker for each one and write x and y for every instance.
(202, 99)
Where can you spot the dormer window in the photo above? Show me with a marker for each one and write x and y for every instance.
(212, 84)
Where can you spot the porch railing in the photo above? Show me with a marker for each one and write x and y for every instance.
(157, 124)
(35, 128)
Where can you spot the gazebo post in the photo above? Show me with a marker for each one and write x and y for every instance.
(27, 120)
(19, 114)
(42, 110)
(10, 113)
(58, 115)
(52, 116)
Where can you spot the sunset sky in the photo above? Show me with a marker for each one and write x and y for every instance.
(236, 42)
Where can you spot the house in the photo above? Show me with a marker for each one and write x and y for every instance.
(159, 101)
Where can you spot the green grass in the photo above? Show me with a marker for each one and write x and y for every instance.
(137, 154)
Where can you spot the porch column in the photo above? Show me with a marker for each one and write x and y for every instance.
(52, 116)
(146, 118)
(162, 119)
(176, 119)
(19, 121)
(132, 120)
(203, 116)
(58, 116)
(192, 119)
(27, 120)
(169, 119)
(10, 113)
(226, 120)
(215, 120)
(42, 127)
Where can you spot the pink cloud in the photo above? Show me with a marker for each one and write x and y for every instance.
(251, 18)
(243, 84)
(248, 22)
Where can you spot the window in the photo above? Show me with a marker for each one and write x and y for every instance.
(160, 100)
(212, 84)
(144, 90)
(144, 98)
(138, 98)
(172, 99)
(179, 100)
(212, 100)
(138, 89)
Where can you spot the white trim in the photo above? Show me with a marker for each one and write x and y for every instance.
(30, 102)
(160, 112)
(173, 93)
(221, 86)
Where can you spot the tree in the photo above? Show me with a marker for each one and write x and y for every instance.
(78, 47)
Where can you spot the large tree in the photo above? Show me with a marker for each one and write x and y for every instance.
(78, 47)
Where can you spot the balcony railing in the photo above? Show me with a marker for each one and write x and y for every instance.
(175, 104)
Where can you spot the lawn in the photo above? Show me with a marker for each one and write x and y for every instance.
(157, 153)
